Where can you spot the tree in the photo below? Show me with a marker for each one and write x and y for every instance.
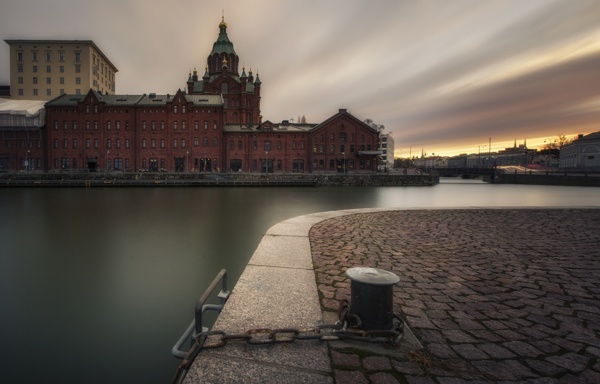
(372, 124)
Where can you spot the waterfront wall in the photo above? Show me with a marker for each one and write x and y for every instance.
(582, 180)
(135, 179)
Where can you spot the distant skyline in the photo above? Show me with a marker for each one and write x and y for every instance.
(442, 76)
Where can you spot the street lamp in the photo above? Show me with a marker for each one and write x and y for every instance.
(344, 164)
(187, 160)
(27, 160)
(107, 163)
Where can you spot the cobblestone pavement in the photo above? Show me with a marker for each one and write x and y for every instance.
(499, 295)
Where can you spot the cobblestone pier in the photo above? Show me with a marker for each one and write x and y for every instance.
(493, 295)
(488, 296)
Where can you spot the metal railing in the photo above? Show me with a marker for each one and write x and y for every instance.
(196, 327)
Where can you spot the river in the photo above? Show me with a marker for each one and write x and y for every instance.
(96, 285)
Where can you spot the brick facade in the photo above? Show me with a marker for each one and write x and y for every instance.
(216, 126)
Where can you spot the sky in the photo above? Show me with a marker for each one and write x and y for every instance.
(443, 76)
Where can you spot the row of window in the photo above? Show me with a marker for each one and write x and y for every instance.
(61, 68)
(117, 143)
(321, 148)
(35, 92)
(341, 137)
(266, 145)
(347, 165)
(34, 80)
(37, 143)
(34, 56)
(144, 125)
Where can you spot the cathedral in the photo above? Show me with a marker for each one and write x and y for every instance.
(213, 125)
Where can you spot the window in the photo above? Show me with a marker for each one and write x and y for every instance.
(153, 125)
(162, 143)
(267, 145)
(55, 143)
(196, 142)
(331, 148)
(87, 143)
(215, 141)
(61, 56)
(143, 125)
(183, 125)
(48, 92)
(61, 69)
(34, 56)
(108, 125)
(302, 145)
(48, 80)
(19, 68)
(153, 143)
(48, 68)
(342, 148)
(118, 143)
(231, 144)
(240, 144)
(126, 143)
(74, 143)
(95, 143)
(77, 68)
(77, 56)
(195, 125)
(143, 143)
(34, 80)
(174, 125)
(35, 68)
(205, 124)
(174, 109)
(162, 125)
(74, 125)
(293, 145)
(66, 125)
(215, 124)
(205, 142)
(78, 80)
(62, 80)
(279, 145)
(108, 143)
(19, 56)
(182, 143)
(174, 143)
(65, 143)
(183, 109)
(35, 92)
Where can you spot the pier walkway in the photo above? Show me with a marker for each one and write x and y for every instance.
(488, 295)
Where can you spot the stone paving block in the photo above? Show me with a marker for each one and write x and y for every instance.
(376, 363)
(350, 377)
(382, 378)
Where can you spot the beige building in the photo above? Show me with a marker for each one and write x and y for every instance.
(45, 69)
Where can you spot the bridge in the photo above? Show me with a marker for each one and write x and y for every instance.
(467, 173)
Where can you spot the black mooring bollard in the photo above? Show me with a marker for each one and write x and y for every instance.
(372, 297)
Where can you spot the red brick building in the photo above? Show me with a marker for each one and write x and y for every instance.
(216, 126)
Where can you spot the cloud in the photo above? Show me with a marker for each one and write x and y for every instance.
(434, 72)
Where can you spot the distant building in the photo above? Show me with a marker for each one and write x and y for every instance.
(215, 127)
(21, 135)
(517, 156)
(583, 152)
(386, 146)
(45, 69)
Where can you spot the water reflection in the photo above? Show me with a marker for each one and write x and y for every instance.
(97, 284)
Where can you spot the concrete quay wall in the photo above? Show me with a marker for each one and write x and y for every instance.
(582, 180)
(135, 179)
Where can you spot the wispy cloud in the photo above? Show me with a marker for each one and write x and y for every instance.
(437, 73)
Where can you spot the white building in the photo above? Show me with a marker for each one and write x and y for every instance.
(584, 152)
(386, 146)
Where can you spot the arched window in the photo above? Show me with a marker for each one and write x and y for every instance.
(224, 88)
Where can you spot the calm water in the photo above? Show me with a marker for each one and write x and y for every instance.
(97, 284)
